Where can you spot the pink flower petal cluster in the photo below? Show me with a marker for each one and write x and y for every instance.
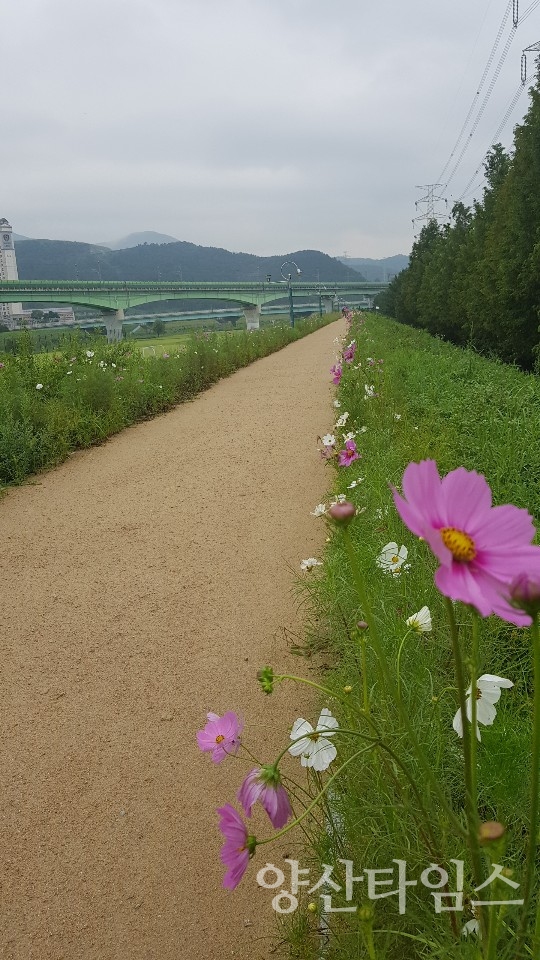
(264, 784)
(221, 735)
(480, 548)
(349, 352)
(348, 455)
(337, 373)
(238, 846)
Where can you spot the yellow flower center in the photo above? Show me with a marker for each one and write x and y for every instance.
(220, 738)
(313, 736)
(460, 544)
(394, 559)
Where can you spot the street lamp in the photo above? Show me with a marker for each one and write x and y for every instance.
(288, 281)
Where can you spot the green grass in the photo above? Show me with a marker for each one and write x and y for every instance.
(434, 401)
(54, 403)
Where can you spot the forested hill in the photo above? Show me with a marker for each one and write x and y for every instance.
(65, 260)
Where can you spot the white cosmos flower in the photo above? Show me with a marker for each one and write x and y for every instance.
(89, 354)
(488, 693)
(342, 420)
(337, 403)
(421, 621)
(310, 563)
(369, 391)
(348, 436)
(314, 748)
(472, 926)
(319, 510)
(391, 559)
(328, 440)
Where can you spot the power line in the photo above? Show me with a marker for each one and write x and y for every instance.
(490, 59)
(495, 138)
(480, 113)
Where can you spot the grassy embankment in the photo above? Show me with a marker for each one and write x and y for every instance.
(432, 401)
(53, 404)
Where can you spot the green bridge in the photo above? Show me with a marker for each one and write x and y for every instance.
(116, 296)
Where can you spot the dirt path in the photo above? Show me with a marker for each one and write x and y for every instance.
(143, 583)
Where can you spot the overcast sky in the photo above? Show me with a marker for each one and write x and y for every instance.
(265, 126)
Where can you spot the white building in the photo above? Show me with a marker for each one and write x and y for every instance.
(9, 312)
(12, 314)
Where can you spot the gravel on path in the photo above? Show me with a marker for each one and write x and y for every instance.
(143, 583)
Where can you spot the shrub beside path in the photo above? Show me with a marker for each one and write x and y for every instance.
(143, 583)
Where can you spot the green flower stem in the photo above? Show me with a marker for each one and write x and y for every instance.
(315, 801)
(398, 661)
(389, 683)
(474, 712)
(365, 686)
(469, 731)
(535, 773)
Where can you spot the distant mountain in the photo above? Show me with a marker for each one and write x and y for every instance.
(66, 260)
(18, 237)
(134, 239)
(377, 270)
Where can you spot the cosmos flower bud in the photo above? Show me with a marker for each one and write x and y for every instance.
(362, 625)
(266, 679)
(524, 593)
(489, 831)
(341, 513)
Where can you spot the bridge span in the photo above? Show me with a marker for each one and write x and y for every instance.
(116, 296)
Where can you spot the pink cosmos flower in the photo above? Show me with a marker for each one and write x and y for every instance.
(337, 372)
(348, 455)
(481, 548)
(221, 735)
(264, 784)
(238, 846)
(349, 352)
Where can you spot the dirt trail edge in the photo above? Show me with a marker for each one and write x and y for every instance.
(143, 583)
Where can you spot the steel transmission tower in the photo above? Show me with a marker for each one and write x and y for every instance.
(430, 199)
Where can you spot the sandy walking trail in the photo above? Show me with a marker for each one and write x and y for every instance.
(143, 583)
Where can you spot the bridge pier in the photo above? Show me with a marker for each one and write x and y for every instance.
(113, 325)
(328, 303)
(253, 317)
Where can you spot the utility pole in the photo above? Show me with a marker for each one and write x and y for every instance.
(430, 199)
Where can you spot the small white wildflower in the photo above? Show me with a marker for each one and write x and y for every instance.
(348, 436)
(397, 416)
(68, 373)
(328, 440)
(472, 926)
(319, 510)
(369, 390)
(337, 403)
(89, 354)
(421, 621)
(488, 693)
(314, 747)
(39, 386)
(355, 483)
(340, 498)
(391, 559)
(362, 430)
(310, 563)
(342, 420)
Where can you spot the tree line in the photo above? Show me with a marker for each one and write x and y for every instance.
(476, 280)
